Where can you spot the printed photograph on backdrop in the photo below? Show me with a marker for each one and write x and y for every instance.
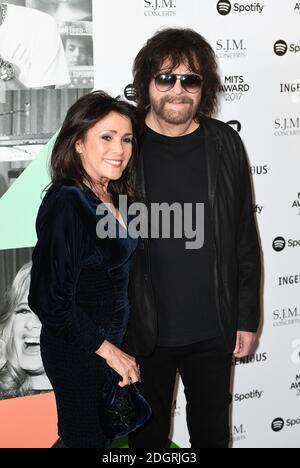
(21, 367)
(46, 44)
(75, 23)
(64, 10)
(28, 120)
(46, 64)
(13, 161)
(31, 49)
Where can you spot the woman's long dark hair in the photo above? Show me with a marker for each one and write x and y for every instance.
(178, 46)
(66, 164)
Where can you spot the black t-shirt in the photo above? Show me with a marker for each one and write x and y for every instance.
(183, 279)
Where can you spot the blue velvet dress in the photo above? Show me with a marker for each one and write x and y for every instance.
(79, 291)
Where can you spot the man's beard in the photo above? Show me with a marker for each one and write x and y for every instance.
(171, 116)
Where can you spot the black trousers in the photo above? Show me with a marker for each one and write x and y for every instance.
(205, 369)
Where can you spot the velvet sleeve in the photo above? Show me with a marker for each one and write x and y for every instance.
(56, 265)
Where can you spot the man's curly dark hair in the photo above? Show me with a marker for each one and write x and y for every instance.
(179, 46)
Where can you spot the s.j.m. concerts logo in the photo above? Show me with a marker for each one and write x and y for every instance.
(160, 8)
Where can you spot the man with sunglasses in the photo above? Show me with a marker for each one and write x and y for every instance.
(191, 309)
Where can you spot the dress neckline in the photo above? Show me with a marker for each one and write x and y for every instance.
(124, 226)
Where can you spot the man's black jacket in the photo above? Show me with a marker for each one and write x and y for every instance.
(237, 250)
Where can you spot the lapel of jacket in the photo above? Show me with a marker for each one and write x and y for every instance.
(212, 153)
(140, 184)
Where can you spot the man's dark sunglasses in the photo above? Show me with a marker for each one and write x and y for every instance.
(191, 82)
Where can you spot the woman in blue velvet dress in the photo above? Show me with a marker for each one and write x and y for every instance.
(79, 281)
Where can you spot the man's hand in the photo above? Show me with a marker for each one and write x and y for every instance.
(244, 344)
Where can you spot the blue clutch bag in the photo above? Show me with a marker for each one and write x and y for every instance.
(124, 409)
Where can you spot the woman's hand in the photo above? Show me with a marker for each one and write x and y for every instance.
(121, 362)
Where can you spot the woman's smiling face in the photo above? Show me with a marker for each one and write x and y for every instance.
(107, 147)
(26, 330)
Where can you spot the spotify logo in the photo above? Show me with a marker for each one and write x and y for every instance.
(279, 244)
(130, 92)
(280, 48)
(224, 7)
(278, 425)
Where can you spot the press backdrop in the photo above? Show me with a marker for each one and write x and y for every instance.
(258, 47)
